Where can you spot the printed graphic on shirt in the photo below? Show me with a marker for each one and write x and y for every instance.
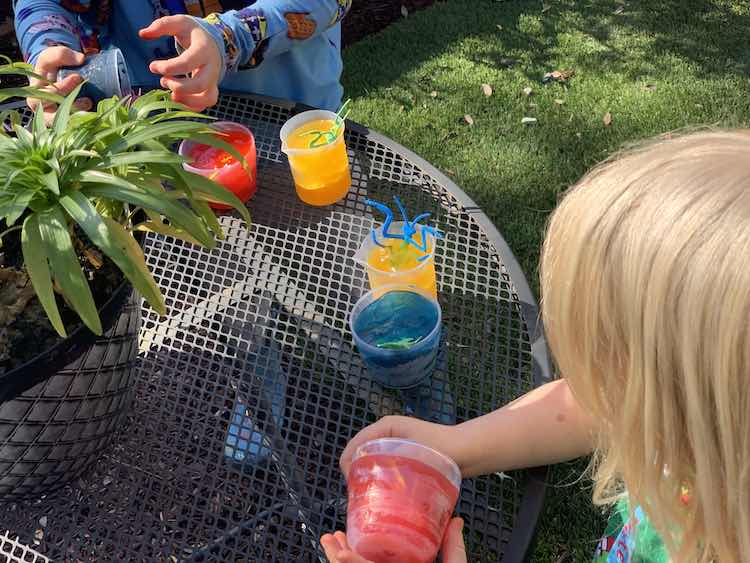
(299, 25)
(77, 6)
(619, 548)
(256, 24)
(53, 22)
(231, 49)
(341, 10)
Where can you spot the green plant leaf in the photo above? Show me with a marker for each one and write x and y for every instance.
(66, 268)
(178, 114)
(177, 213)
(62, 116)
(166, 230)
(23, 136)
(21, 69)
(15, 208)
(38, 126)
(176, 129)
(161, 105)
(140, 157)
(116, 243)
(213, 192)
(29, 92)
(35, 259)
(50, 180)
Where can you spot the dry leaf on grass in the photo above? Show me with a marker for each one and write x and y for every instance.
(528, 91)
(559, 102)
(468, 119)
(607, 119)
(561, 76)
(487, 89)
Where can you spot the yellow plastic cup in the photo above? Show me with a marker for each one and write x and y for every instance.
(374, 258)
(321, 174)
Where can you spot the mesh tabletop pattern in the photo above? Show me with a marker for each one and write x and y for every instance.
(249, 390)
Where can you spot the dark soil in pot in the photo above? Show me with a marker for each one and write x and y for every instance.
(24, 328)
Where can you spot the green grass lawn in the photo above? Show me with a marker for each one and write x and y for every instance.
(653, 67)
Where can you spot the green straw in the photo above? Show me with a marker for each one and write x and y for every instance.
(330, 135)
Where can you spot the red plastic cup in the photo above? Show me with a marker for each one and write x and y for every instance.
(401, 498)
(221, 166)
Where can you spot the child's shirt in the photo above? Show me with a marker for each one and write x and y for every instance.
(630, 538)
(288, 49)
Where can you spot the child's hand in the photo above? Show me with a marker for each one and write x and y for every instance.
(453, 549)
(200, 62)
(437, 436)
(49, 62)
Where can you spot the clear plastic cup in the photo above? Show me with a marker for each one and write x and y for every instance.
(321, 174)
(106, 75)
(401, 498)
(380, 269)
(396, 329)
(234, 177)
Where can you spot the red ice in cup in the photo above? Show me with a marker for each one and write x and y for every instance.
(401, 498)
(222, 167)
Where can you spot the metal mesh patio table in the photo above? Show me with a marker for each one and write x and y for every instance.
(216, 463)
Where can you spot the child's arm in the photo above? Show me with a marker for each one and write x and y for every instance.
(543, 427)
(41, 24)
(265, 28)
(49, 40)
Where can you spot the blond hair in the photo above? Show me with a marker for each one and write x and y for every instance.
(645, 279)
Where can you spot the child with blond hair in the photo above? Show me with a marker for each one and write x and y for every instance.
(646, 305)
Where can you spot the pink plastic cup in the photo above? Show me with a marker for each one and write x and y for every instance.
(401, 498)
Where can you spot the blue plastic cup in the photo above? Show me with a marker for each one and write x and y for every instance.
(106, 75)
(396, 329)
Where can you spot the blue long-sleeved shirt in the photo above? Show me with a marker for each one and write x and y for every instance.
(289, 49)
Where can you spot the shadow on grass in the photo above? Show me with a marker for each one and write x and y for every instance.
(711, 35)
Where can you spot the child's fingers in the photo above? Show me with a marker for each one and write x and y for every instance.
(453, 548)
(199, 82)
(331, 547)
(341, 538)
(83, 104)
(197, 102)
(176, 26)
(53, 58)
(184, 63)
(67, 84)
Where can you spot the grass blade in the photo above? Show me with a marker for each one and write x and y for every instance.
(35, 259)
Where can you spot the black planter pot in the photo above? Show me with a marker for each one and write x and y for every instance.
(60, 411)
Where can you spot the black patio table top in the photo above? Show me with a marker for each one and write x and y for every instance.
(256, 347)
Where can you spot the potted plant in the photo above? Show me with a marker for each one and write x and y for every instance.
(76, 197)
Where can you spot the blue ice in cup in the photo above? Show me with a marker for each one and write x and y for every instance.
(106, 75)
(397, 331)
